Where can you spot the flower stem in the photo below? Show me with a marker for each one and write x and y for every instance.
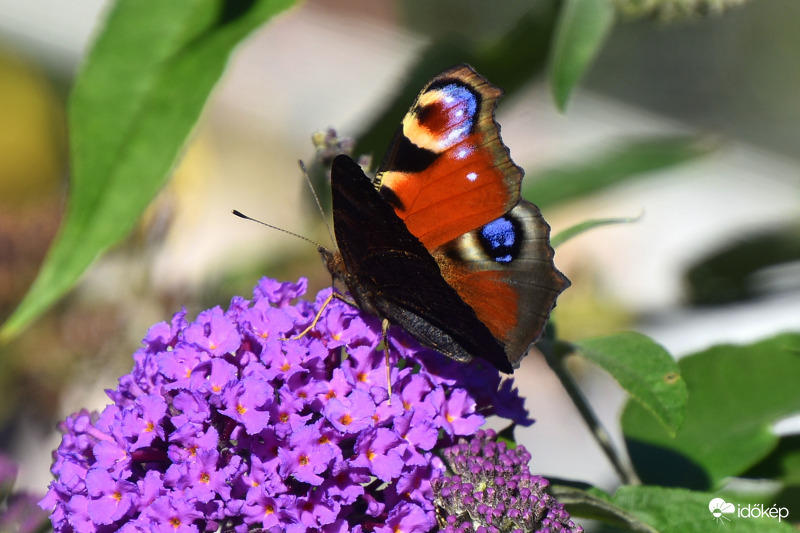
(555, 353)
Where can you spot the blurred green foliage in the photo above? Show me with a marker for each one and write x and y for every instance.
(137, 98)
(729, 274)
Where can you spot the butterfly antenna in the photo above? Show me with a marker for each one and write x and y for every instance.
(316, 199)
(242, 215)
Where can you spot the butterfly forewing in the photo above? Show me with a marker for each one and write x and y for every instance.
(447, 171)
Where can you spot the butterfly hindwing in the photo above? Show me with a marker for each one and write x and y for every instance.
(391, 274)
(447, 171)
(504, 270)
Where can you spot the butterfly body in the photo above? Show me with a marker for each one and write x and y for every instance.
(440, 242)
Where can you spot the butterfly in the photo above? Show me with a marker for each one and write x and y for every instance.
(440, 242)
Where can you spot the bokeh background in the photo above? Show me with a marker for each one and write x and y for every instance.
(700, 116)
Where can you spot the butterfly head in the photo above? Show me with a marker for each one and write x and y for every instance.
(333, 262)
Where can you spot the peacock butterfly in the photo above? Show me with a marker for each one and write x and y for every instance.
(440, 242)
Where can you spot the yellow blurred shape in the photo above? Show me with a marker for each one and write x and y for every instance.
(32, 134)
(585, 310)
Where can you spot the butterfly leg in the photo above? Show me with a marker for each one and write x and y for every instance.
(385, 336)
(316, 318)
(319, 314)
(348, 301)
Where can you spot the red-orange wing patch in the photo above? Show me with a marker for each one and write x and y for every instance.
(447, 171)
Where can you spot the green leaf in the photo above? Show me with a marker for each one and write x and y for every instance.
(580, 33)
(683, 511)
(665, 510)
(135, 102)
(596, 505)
(582, 227)
(629, 159)
(736, 393)
(645, 370)
(781, 465)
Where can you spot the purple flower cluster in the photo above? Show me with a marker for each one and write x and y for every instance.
(228, 423)
(492, 491)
